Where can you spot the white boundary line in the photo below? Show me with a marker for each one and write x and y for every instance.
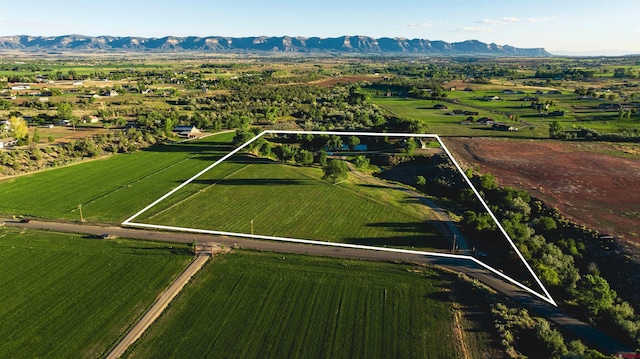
(547, 298)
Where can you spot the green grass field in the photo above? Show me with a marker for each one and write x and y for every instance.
(262, 305)
(64, 296)
(449, 125)
(291, 201)
(578, 113)
(110, 189)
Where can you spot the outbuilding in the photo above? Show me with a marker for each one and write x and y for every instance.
(186, 131)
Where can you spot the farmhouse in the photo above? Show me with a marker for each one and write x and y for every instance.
(90, 119)
(486, 121)
(8, 143)
(503, 127)
(110, 93)
(186, 131)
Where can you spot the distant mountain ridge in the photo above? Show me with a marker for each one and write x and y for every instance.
(343, 44)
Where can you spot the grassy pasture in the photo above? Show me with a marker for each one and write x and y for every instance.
(109, 189)
(290, 201)
(449, 125)
(263, 305)
(69, 297)
(578, 113)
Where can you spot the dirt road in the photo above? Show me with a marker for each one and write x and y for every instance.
(158, 307)
(572, 327)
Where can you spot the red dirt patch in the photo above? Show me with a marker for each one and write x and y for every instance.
(586, 182)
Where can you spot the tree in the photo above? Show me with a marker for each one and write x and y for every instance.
(361, 161)
(410, 145)
(65, 112)
(18, 127)
(241, 137)
(551, 339)
(555, 129)
(285, 152)
(322, 158)
(595, 294)
(334, 170)
(334, 143)
(353, 141)
(488, 182)
(304, 158)
(36, 137)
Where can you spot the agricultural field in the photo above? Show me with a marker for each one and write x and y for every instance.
(262, 305)
(591, 183)
(65, 296)
(530, 124)
(449, 125)
(109, 189)
(293, 201)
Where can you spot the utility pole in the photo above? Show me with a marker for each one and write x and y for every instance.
(252, 227)
(453, 249)
(80, 208)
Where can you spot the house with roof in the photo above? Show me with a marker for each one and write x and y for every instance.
(486, 121)
(186, 131)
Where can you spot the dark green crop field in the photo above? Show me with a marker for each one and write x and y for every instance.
(291, 201)
(262, 305)
(113, 188)
(69, 297)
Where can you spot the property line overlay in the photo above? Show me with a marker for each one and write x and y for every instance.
(546, 297)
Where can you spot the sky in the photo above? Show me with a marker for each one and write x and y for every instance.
(562, 27)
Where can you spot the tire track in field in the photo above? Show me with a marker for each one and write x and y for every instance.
(199, 192)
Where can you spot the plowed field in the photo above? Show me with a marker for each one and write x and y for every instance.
(596, 184)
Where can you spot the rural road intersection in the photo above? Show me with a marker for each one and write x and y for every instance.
(572, 327)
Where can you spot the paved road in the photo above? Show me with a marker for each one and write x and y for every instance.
(158, 307)
(571, 327)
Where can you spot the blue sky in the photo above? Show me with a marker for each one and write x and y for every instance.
(561, 26)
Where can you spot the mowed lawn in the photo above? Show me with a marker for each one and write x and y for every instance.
(292, 201)
(113, 188)
(64, 296)
(264, 305)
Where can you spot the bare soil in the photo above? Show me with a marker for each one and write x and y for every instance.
(595, 184)
(66, 133)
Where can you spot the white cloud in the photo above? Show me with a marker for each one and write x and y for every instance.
(476, 29)
(540, 19)
(501, 21)
(420, 25)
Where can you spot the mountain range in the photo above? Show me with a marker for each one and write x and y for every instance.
(220, 44)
